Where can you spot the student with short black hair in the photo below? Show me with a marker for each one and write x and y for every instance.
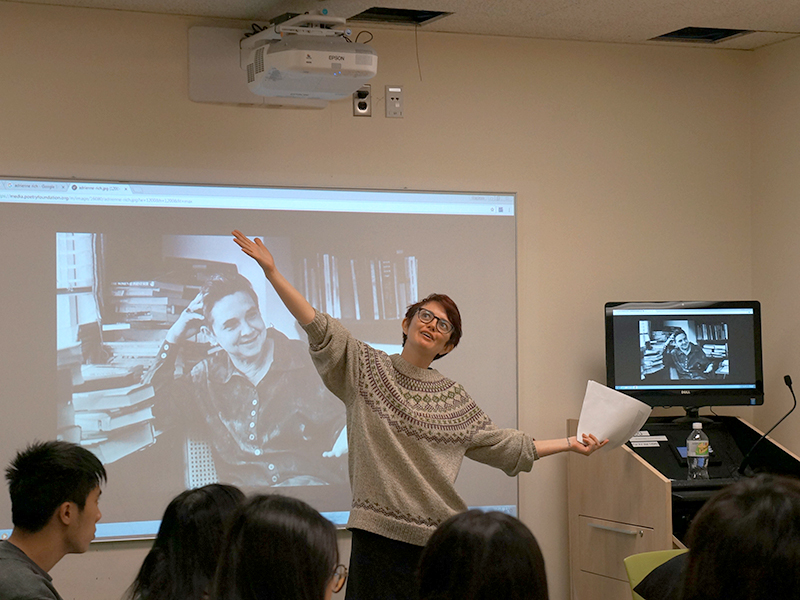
(55, 489)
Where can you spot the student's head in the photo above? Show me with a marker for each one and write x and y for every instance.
(745, 542)
(482, 556)
(442, 308)
(232, 317)
(56, 480)
(184, 556)
(278, 548)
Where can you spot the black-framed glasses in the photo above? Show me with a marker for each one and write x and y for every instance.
(427, 316)
(339, 577)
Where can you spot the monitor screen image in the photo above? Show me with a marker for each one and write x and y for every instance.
(685, 354)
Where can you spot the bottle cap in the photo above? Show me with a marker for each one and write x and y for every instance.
(697, 425)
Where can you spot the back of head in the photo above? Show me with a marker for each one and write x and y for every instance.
(185, 553)
(745, 542)
(482, 556)
(278, 548)
(44, 476)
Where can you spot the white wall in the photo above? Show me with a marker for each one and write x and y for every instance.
(631, 165)
(776, 223)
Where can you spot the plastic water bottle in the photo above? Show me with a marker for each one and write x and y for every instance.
(697, 452)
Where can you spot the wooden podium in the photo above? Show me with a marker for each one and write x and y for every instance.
(619, 504)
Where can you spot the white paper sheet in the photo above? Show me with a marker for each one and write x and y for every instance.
(607, 413)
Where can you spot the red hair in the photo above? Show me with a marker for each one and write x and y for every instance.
(450, 308)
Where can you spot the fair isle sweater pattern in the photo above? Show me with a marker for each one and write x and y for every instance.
(379, 509)
(435, 411)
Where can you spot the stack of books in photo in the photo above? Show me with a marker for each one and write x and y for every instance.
(137, 317)
(715, 350)
(113, 411)
(652, 358)
(148, 301)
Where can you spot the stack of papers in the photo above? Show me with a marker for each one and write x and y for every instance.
(609, 414)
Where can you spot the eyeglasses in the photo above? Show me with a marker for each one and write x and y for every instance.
(427, 316)
(339, 577)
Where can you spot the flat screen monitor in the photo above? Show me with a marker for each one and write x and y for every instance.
(685, 354)
(97, 273)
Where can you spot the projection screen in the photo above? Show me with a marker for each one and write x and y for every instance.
(97, 274)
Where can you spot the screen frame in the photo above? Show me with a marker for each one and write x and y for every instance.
(689, 397)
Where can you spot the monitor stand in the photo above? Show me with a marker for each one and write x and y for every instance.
(692, 416)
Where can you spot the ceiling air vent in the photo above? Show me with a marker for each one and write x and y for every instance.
(398, 16)
(701, 35)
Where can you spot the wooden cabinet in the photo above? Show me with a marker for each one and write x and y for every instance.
(618, 505)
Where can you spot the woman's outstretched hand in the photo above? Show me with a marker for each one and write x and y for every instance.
(590, 444)
(256, 249)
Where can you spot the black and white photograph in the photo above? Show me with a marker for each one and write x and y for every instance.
(683, 350)
(194, 348)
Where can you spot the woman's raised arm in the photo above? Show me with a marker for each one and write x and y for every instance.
(300, 308)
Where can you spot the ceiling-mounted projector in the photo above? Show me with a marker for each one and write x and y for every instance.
(305, 58)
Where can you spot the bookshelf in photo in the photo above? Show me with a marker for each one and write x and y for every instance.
(359, 288)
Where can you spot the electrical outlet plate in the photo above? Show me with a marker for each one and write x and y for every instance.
(362, 101)
(394, 102)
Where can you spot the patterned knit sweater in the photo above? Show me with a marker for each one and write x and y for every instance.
(408, 430)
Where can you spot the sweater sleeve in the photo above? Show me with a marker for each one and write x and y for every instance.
(510, 450)
(335, 353)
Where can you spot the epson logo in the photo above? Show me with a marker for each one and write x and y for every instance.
(338, 57)
(687, 392)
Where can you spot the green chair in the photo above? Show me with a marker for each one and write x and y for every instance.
(638, 566)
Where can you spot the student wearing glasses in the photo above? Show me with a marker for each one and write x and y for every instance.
(408, 429)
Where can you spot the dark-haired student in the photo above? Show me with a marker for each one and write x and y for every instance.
(744, 544)
(480, 555)
(408, 428)
(279, 548)
(181, 564)
(55, 489)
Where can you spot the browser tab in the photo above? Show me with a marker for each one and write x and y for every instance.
(35, 186)
(93, 188)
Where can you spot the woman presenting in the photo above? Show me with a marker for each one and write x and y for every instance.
(408, 430)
